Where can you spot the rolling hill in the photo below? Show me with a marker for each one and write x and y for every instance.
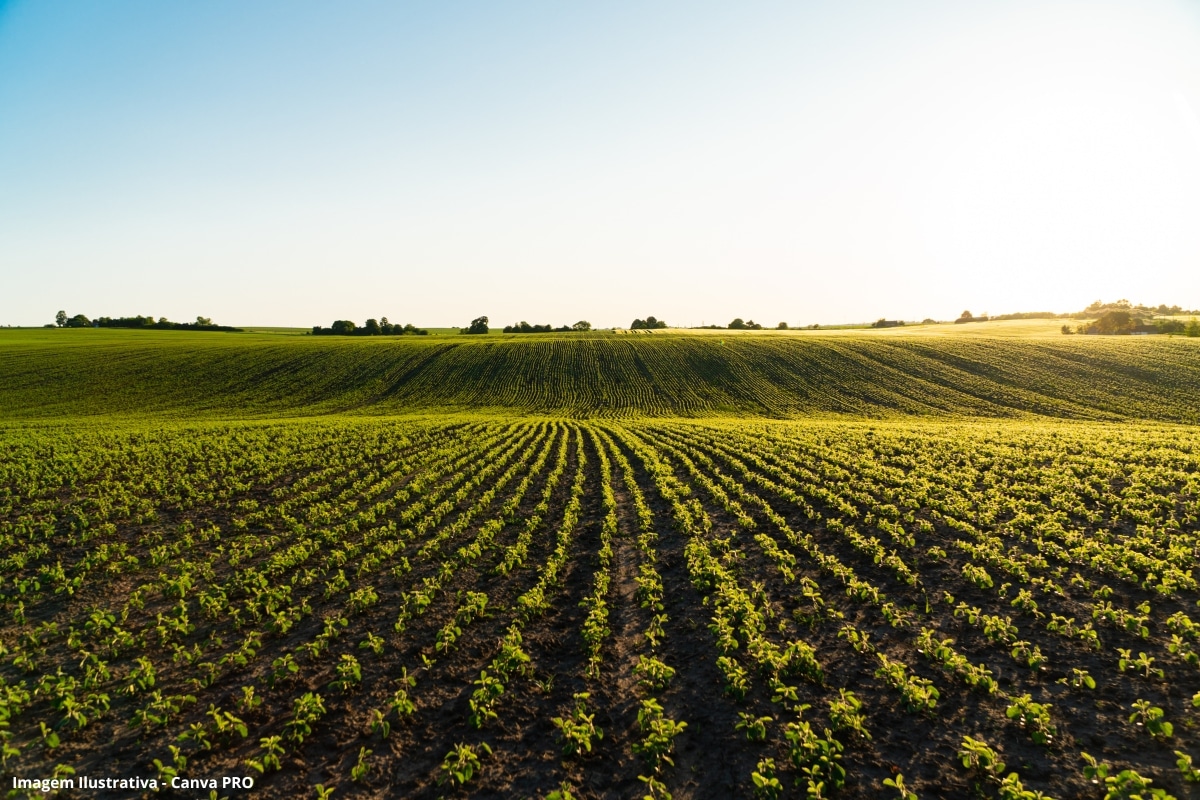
(64, 373)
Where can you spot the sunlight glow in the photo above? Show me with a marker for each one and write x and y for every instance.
(824, 163)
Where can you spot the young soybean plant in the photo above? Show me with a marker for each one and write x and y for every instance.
(1034, 719)
(977, 755)
(462, 763)
(902, 791)
(362, 767)
(845, 714)
(755, 727)
(578, 730)
(766, 785)
(1151, 717)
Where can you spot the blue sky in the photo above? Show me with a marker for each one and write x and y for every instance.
(293, 163)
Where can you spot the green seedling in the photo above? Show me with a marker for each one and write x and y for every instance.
(362, 766)
(462, 763)
(373, 643)
(902, 791)
(755, 727)
(578, 730)
(1079, 678)
(766, 785)
(1151, 718)
(271, 749)
(975, 754)
(845, 714)
(1034, 719)
(1186, 771)
(652, 674)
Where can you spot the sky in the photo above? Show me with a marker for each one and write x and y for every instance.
(292, 163)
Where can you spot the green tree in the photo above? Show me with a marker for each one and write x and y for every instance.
(371, 328)
(582, 325)
(79, 321)
(738, 324)
(1114, 322)
(478, 325)
(649, 323)
(61, 319)
(1193, 328)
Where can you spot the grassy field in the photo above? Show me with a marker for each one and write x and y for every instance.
(610, 565)
(66, 373)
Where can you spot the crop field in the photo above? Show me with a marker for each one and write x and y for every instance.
(467, 605)
(56, 374)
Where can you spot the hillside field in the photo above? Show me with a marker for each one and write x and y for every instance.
(602, 565)
(69, 373)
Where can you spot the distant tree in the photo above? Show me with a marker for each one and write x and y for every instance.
(1170, 326)
(649, 323)
(966, 315)
(751, 325)
(738, 324)
(61, 319)
(371, 328)
(582, 325)
(1193, 328)
(79, 321)
(783, 326)
(1066, 329)
(1116, 322)
(478, 325)
(343, 327)
(203, 321)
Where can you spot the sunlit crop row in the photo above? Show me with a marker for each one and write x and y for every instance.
(412, 604)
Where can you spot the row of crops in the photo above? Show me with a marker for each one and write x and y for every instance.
(89, 372)
(555, 608)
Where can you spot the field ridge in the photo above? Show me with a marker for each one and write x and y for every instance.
(90, 373)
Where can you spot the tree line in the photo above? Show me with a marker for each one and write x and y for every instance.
(525, 327)
(1123, 322)
(62, 320)
(479, 325)
(739, 324)
(372, 327)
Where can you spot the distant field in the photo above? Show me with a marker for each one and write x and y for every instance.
(64, 373)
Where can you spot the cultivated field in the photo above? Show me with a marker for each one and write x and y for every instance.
(71, 373)
(611, 604)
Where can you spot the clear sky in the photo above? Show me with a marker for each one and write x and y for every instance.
(291, 163)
